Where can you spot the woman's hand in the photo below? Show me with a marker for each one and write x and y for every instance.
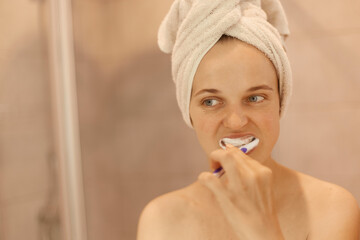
(244, 194)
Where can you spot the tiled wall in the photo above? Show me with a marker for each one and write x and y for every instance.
(321, 132)
(25, 120)
(135, 145)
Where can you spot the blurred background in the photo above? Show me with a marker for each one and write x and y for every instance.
(134, 143)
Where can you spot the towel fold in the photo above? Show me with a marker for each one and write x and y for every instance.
(192, 27)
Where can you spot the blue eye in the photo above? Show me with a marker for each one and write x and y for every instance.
(210, 102)
(255, 98)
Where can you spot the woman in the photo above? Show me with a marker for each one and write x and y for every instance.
(233, 81)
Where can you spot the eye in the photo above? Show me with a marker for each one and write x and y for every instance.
(255, 98)
(210, 102)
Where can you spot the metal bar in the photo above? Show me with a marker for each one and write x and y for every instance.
(66, 120)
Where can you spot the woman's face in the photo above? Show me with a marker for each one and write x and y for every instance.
(235, 94)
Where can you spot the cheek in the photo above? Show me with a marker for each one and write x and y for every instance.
(205, 124)
(271, 124)
(202, 123)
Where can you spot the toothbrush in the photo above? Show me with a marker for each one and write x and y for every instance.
(245, 148)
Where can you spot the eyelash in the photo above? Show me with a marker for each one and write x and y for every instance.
(207, 99)
(248, 100)
(256, 96)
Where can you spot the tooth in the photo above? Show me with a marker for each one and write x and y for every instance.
(237, 142)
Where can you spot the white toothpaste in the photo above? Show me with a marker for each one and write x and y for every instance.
(245, 145)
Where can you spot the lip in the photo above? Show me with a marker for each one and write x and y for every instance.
(240, 135)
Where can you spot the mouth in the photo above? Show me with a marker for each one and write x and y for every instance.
(238, 142)
(245, 144)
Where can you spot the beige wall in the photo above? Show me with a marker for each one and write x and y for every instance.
(138, 147)
(135, 145)
(321, 133)
(26, 149)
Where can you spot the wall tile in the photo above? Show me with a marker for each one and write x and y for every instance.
(120, 33)
(322, 142)
(25, 125)
(20, 220)
(23, 178)
(12, 28)
(321, 17)
(325, 70)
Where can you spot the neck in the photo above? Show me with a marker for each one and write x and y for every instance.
(285, 183)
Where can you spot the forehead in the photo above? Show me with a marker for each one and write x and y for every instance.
(234, 62)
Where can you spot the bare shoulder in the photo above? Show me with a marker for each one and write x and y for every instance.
(333, 210)
(165, 216)
(325, 194)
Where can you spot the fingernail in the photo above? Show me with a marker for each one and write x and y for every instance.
(244, 150)
(228, 145)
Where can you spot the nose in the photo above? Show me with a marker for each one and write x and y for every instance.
(235, 118)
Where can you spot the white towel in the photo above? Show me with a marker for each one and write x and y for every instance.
(192, 27)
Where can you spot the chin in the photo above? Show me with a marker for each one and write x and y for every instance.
(259, 155)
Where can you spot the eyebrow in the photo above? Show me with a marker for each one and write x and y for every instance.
(252, 89)
(210, 90)
(260, 87)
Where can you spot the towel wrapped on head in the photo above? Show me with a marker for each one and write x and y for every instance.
(192, 27)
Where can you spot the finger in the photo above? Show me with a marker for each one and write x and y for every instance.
(214, 156)
(253, 172)
(248, 172)
(232, 172)
(232, 161)
(249, 162)
(228, 146)
(242, 158)
(215, 186)
(222, 196)
(253, 164)
(215, 164)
